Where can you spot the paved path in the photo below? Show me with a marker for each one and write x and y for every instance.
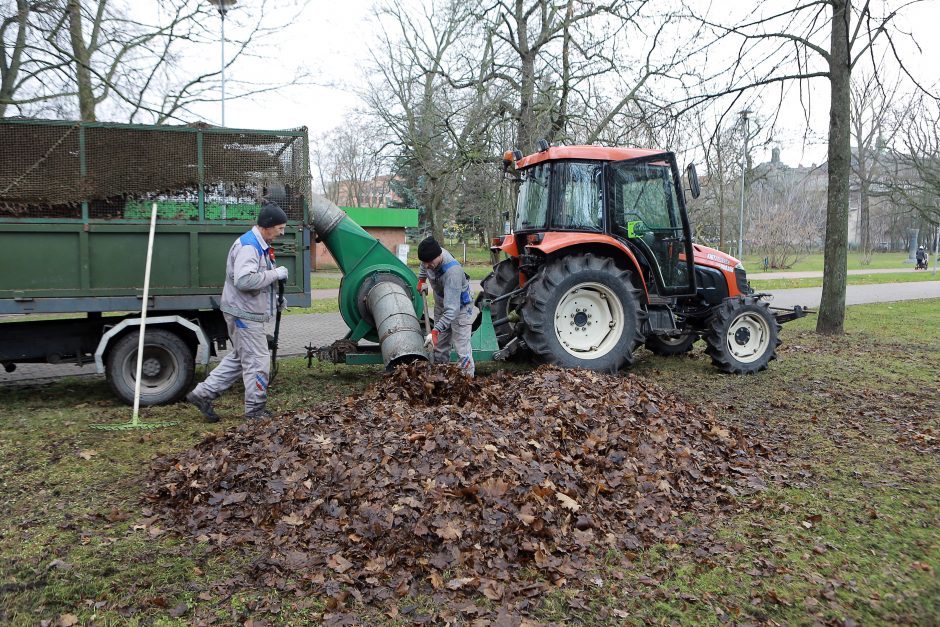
(322, 329)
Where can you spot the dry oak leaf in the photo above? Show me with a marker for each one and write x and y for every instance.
(450, 531)
(293, 519)
(339, 563)
(567, 502)
(86, 454)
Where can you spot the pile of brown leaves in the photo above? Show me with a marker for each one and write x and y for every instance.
(433, 482)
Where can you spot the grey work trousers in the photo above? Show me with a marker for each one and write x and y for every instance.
(456, 336)
(248, 360)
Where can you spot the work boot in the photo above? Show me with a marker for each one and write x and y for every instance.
(259, 414)
(204, 405)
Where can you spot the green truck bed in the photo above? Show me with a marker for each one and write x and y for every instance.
(75, 203)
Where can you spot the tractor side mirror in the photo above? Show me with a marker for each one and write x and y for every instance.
(692, 176)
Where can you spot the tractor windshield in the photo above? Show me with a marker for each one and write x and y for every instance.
(645, 209)
(561, 195)
(532, 206)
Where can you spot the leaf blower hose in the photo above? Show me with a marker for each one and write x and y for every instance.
(383, 298)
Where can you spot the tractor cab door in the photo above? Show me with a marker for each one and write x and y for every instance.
(646, 208)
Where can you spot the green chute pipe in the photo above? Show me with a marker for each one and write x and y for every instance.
(363, 260)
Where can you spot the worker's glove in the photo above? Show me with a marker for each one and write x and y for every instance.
(431, 339)
(281, 303)
(281, 273)
(422, 286)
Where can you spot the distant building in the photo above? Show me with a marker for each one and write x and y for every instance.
(384, 223)
(375, 192)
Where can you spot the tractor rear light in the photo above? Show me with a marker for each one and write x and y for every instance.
(496, 242)
(508, 159)
(535, 238)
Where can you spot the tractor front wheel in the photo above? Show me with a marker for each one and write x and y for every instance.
(742, 336)
(582, 311)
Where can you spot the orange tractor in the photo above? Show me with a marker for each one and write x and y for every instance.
(601, 260)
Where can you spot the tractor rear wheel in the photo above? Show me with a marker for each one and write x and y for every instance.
(742, 335)
(582, 311)
(503, 279)
(670, 346)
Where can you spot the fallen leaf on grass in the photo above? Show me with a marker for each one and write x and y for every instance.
(67, 620)
(87, 453)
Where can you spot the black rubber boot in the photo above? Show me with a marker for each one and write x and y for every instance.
(259, 414)
(204, 405)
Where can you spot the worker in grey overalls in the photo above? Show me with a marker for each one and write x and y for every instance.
(249, 299)
(453, 306)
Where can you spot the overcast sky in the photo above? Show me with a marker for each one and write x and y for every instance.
(332, 39)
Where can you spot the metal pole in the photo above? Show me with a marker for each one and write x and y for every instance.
(936, 251)
(143, 312)
(222, 13)
(743, 115)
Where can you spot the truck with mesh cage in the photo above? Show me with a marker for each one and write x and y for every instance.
(75, 206)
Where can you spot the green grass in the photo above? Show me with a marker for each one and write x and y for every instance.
(909, 276)
(71, 540)
(814, 262)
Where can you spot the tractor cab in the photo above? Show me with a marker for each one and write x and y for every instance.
(637, 202)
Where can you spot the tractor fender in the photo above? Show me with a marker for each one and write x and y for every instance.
(556, 244)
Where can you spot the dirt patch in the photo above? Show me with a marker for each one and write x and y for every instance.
(502, 486)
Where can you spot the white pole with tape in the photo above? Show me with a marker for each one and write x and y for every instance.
(143, 311)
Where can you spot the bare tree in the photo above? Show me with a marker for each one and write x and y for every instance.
(789, 44)
(915, 180)
(74, 56)
(352, 163)
(871, 109)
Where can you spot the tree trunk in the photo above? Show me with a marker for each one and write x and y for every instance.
(831, 317)
(864, 215)
(86, 96)
(12, 69)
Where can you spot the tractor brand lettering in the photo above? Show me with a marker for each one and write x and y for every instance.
(717, 258)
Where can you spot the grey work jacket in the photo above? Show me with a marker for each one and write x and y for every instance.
(250, 291)
(451, 287)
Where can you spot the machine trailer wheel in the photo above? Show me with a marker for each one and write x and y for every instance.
(167, 371)
(583, 311)
(742, 336)
(671, 346)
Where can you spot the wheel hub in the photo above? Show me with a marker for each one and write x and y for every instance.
(151, 367)
(589, 320)
(748, 337)
(742, 336)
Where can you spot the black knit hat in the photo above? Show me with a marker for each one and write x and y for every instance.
(271, 215)
(429, 250)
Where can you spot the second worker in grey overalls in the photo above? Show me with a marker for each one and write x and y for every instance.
(249, 299)
(453, 306)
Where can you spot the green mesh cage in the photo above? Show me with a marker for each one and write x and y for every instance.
(98, 171)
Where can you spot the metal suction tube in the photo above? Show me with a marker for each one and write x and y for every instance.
(398, 327)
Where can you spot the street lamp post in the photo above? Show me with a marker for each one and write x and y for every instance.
(223, 6)
(743, 115)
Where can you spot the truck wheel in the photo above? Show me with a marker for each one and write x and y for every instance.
(582, 311)
(670, 346)
(742, 336)
(167, 371)
(503, 279)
